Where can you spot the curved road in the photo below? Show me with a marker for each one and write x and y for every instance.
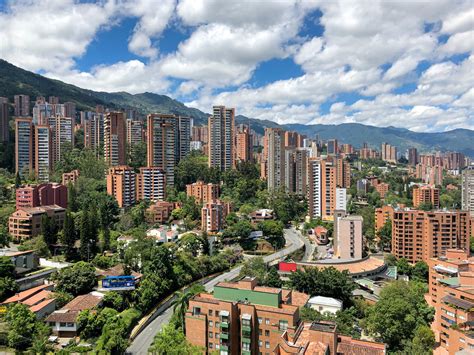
(140, 345)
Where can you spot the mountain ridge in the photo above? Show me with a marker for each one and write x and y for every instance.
(14, 80)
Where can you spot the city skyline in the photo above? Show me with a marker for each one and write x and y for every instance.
(304, 62)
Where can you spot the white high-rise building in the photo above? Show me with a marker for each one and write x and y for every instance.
(341, 199)
(314, 188)
(43, 158)
(468, 190)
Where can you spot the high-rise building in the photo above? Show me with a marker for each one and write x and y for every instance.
(324, 178)
(4, 120)
(183, 137)
(332, 148)
(221, 138)
(22, 105)
(70, 111)
(62, 136)
(382, 215)
(134, 133)
(412, 156)
(348, 239)
(421, 235)
(114, 138)
(200, 133)
(70, 177)
(43, 157)
(213, 214)
(42, 111)
(94, 131)
(151, 184)
(296, 165)
(451, 284)
(161, 144)
(315, 167)
(24, 146)
(341, 199)
(389, 153)
(425, 195)
(53, 100)
(291, 139)
(467, 194)
(243, 144)
(242, 318)
(275, 161)
(202, 192)
(121, 182)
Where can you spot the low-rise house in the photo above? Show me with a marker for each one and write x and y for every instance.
(38, 299)
(24, 261)
(324, 304)
(261, 215)
(162, 234)
(319, 235)
(160, 212)
(64, 321)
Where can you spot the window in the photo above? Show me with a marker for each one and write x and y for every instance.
(210, 312)
(211, 345)
(196, 311)
(246, 346)
(52, 324)
(283, 325)
(210, 334)
(267, 333)
(267, 321)
(217, 346)
(210, 323)
(217, 313)
(267, 345)
(218, 335)
(62, 324)
(217, 324)
(260, 332)
(259, 320)
(260, 343)
(69, 325)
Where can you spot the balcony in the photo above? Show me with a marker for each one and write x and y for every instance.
(224, 325)
(225, 336)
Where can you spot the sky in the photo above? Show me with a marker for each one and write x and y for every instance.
(406, 64)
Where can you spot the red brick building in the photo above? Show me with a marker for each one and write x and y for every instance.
(70, 177)
(242, 318)
(160, 212)
(451, 293)
(213, 215)
(41, 195)
(421, 235)
(202, 192)
(425, 195)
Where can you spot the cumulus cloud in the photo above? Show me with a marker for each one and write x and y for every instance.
(368, 50)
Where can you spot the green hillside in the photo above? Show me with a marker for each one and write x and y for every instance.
(14, 80)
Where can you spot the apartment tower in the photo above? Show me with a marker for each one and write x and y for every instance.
(275, 150)
(22, 105)
(121, 182)
(221, 138)
(467, 197)
(24, 146)
(4, 120)
(114, 138)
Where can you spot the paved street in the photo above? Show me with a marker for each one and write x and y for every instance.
(294, 241)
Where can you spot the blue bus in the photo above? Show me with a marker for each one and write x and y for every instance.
(119, 282)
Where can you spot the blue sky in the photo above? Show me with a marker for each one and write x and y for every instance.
(406, 64)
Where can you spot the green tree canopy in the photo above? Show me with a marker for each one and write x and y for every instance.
(400, 309)
(172, 341)
(77, 279)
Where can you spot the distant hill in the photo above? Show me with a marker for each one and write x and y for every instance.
(14, 80)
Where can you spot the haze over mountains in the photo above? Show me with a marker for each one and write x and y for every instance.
(14, 80)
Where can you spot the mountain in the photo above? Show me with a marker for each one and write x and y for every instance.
(14, 80)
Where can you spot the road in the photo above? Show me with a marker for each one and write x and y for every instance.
(140, 345)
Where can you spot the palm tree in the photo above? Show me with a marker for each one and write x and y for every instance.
(180, 304)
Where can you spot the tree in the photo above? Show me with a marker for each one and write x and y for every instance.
(88, 235)
(49, 230)
(6, 267)
(272, 279)
(273, 231)
(180, 304)
(90, 323)
(4, 236)
(403, 267)
(254, 267)
(22, 326)
(327, 282)
(422, 343)
(385, 235)
(114, 337)
(114, 300)
(390, 260)
(69, 236)
(62, 298)
(472, 245)
(77, 279)
(72, 203)
(8, 287)
(17, 180)
(425, 206)
(400, 309)
(420, 271)
(172, 341)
